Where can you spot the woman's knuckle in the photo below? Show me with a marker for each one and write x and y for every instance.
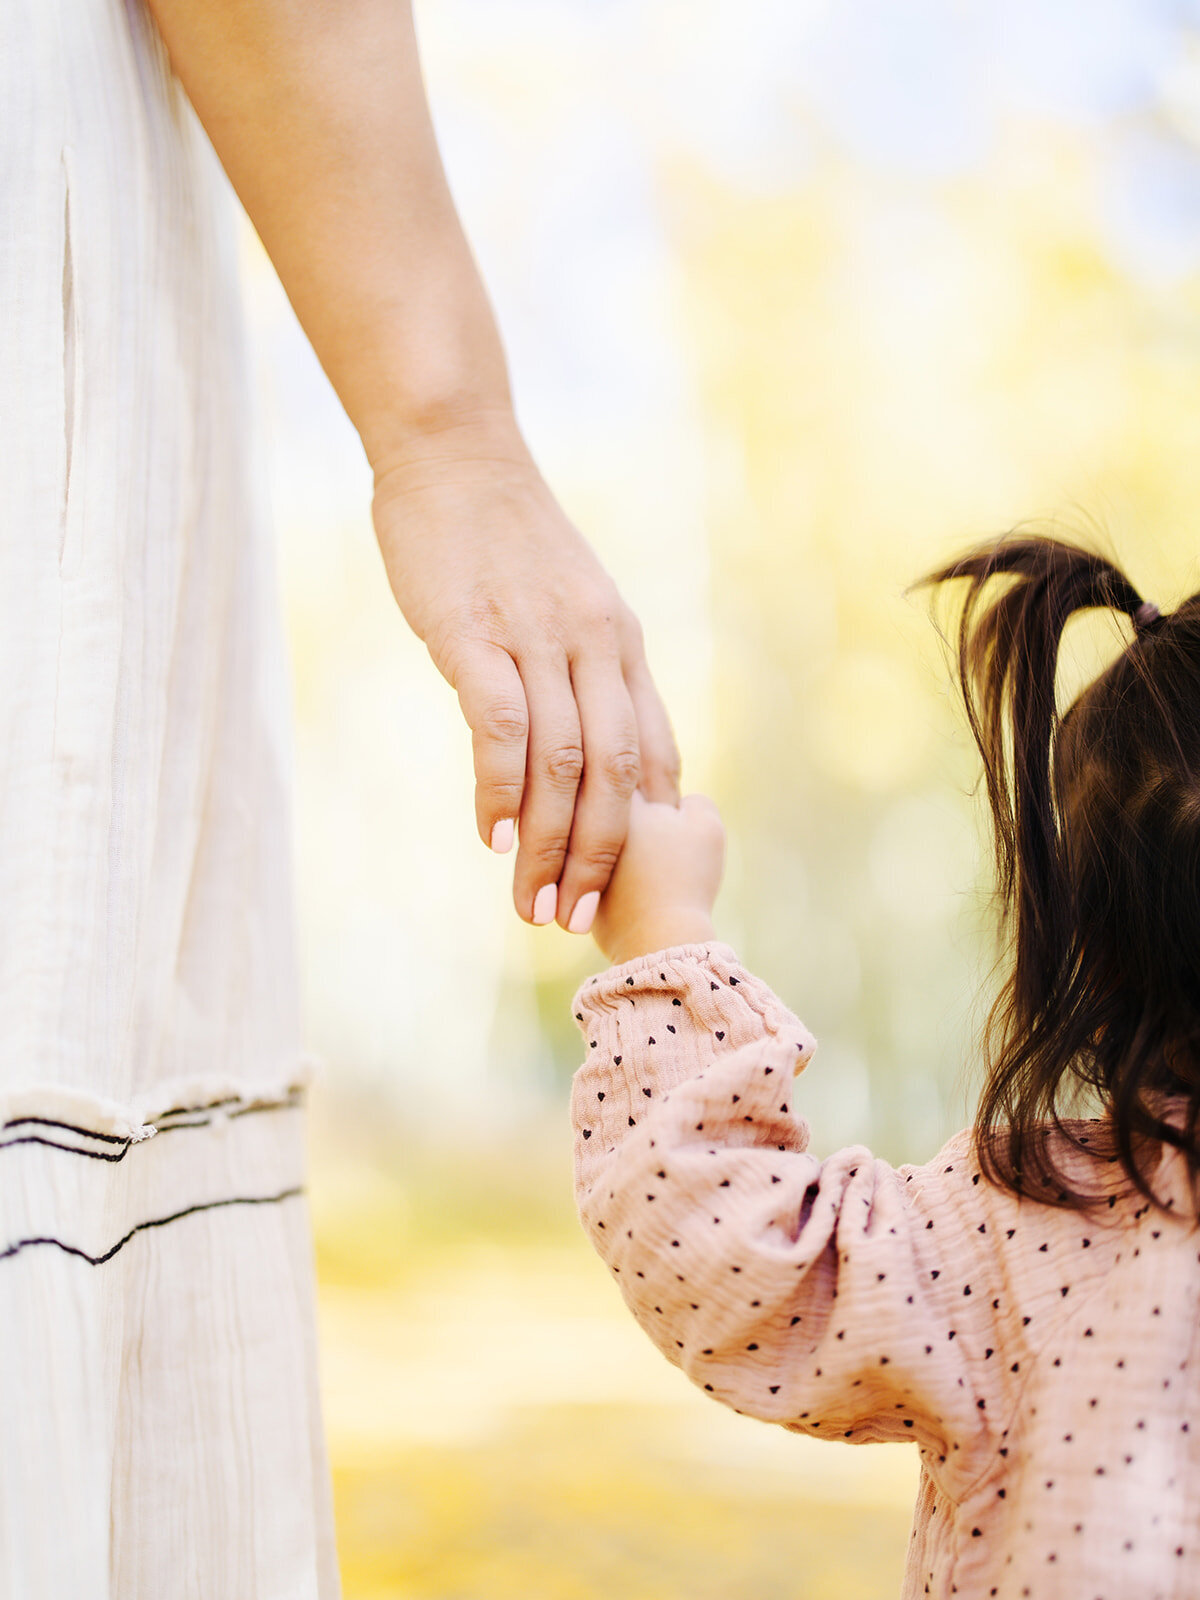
(621, 768)
(564, 765)
(548, 847)
(633, 638)
(597, 617)
(480, 615)
(598, 860)
(505, 721)
(599, 610)
(451, 638)
(503, 794)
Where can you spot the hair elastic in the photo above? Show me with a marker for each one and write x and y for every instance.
(1145, 614)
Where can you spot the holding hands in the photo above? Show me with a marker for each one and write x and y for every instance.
(546, 658)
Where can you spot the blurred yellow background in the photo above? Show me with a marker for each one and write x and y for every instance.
(800, 299)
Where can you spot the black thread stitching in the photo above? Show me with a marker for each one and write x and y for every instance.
(292, 1100)
(267, 1105)
(69, 1127)
(290, 1104)
(71, 1149)
(154, 1222)
(211, 1105)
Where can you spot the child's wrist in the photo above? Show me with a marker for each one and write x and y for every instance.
(659, 932)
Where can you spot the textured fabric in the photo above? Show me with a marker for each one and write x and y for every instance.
(157, 1378)
(1042, 1361)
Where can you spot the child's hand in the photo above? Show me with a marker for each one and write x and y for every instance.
(662, 890)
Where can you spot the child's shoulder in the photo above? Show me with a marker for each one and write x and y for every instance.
(953, 1185)
(1082, 1151)
(956, 1161)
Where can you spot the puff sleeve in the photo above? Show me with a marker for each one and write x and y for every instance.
(840, 1297)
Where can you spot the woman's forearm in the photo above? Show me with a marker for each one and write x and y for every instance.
(318, 113)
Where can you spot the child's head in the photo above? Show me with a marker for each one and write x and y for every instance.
(1097, 831)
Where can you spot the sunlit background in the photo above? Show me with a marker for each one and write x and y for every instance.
(800, 298)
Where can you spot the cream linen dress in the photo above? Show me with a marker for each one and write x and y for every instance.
(161, 1423)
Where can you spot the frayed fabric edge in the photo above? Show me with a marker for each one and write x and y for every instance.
(136, 1120)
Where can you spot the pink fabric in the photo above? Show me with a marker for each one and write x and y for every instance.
(1041, 1361)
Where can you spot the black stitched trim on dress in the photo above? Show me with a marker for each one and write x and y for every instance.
(71, 1149)
(291, 1098)
(161, 1125)
(70, 1127)
(245, 1108)
(154, 1222)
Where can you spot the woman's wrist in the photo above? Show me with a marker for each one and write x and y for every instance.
(453, 441)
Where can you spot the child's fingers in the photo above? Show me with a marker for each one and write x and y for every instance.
(701, 806)
(706, 844)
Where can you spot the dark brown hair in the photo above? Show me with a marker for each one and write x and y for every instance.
(1096, 815)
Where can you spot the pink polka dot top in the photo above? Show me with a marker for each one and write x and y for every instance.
(1041, 1360)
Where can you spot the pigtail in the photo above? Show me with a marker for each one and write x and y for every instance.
(1021, 593)
(1008, 646)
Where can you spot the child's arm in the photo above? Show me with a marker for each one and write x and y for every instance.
(839, 1297)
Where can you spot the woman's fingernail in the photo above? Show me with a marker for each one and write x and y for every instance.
(502, 836)
(584, 913)
(545, 904)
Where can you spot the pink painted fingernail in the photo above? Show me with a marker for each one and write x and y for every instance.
(502, 836)
(584, 913)
(545, 904)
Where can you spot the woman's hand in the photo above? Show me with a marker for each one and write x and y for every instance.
(547, 660)
(666, 881)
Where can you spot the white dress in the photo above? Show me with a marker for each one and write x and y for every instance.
(161, 1423)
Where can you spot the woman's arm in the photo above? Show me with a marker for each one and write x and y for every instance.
(318, 112)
